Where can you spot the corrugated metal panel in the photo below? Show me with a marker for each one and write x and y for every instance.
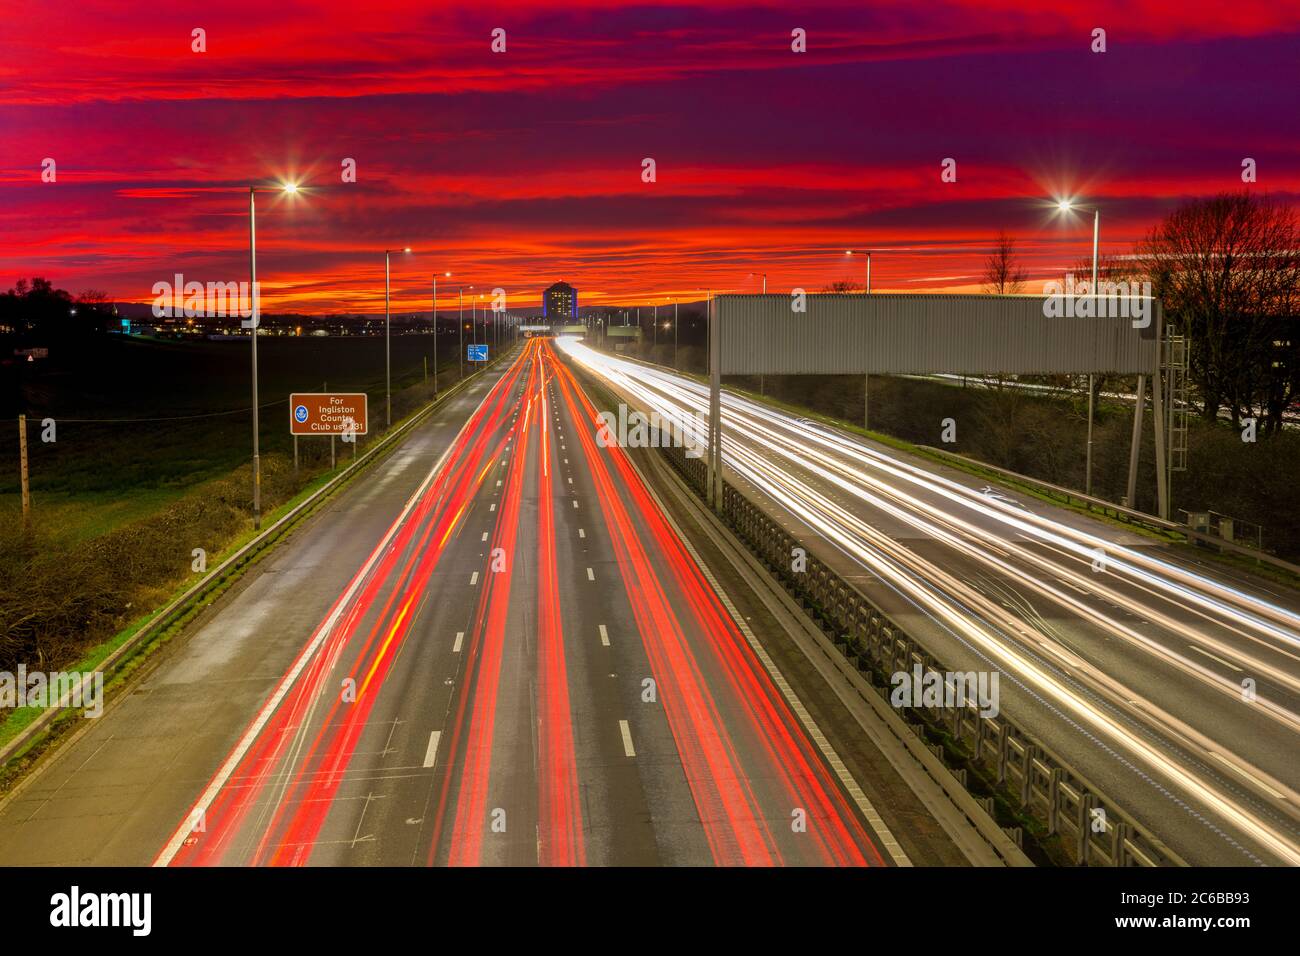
(966, 334)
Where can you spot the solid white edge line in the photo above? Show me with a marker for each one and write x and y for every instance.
(254, 730)
(837, 765)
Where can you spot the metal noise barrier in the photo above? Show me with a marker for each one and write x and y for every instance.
(1029, 774)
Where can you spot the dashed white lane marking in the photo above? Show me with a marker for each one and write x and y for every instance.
(485, 535)
(498, 482)
(493, 507)
(591, 575)
(460, 637)
(1255, 780)
(1213, 658)
(570, 481)
(581, 533)
(626, 731)
(604, 635)
(431, 754)
(837, 765)
(575, 504)
(473, 579)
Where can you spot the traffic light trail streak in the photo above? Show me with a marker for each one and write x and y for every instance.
(529, 738)
(1169, 683)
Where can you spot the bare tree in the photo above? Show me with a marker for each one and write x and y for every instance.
(1003, 274)
(96, 298)
(842, 287)
(1227, 269)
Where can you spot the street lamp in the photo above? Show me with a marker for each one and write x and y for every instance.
(253, 319)
(460, 324)
(388, 365)
(849, 253)
(675, 333)
(435, 331)
(1066, 205)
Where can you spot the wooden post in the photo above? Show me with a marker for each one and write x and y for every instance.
(295, 456)
(22, 458)
(331, 453)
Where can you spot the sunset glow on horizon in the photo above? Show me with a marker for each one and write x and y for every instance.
(521, 168)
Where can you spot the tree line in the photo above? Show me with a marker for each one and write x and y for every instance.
(33, 312)
(1227, 269)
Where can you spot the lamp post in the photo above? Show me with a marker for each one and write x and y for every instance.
(849, 253)
(388, 364)
(866, 377)
(252, 325)
(460, 325)
(435, 331)
(1065, 205)
(675, 333)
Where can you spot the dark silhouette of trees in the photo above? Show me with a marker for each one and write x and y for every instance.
(34, 313)
(1003, 274)
(1228, 271)
(842, 287)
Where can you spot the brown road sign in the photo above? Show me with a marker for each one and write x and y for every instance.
(327, 413)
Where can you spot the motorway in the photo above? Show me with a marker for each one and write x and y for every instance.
(495, 651)
(1173, 685)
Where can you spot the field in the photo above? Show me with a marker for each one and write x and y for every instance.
(152, 458)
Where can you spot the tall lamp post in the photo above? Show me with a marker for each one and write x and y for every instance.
(388, 364)
(252, 325)
(675, 333)
(435, 331)
(866, 377)
(1065, 205)
(849, 253)
(460, 325)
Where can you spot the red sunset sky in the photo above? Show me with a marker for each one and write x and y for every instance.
(521, 168)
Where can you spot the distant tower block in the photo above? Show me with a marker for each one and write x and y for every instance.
(560, 303)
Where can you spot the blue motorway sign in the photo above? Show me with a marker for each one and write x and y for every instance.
(477, 353)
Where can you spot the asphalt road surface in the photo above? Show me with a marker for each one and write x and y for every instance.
(1172, 684)
(507, 658)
